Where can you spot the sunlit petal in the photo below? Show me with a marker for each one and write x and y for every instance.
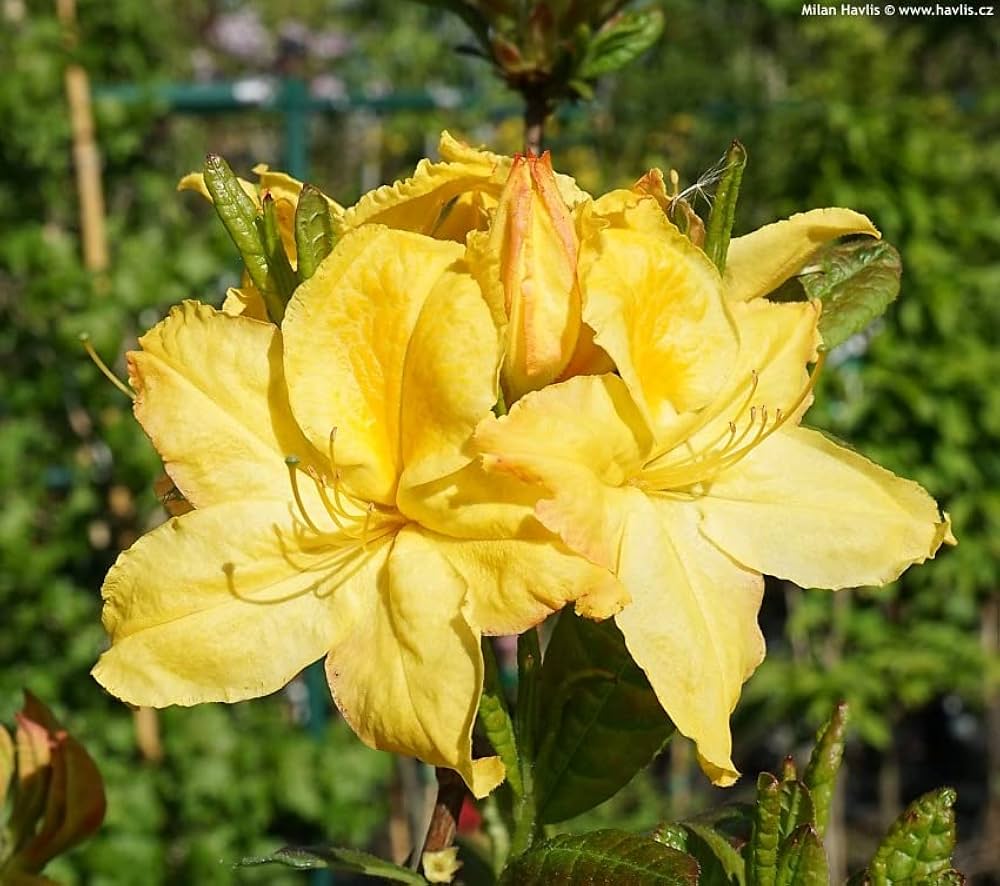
(420, 202)
(222, 604)
(656, 306)
(449, 380)
(210, 393)
(692, 623)
(759, 262)
(803, 508)
(409, 679)
(347, 331)
(246, 302)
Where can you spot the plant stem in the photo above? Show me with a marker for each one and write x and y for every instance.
(536, 112)
(529, 659)
(444, 820)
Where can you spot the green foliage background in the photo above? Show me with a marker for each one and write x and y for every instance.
(893, 117)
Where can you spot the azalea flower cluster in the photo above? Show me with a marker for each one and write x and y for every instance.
(496, 396)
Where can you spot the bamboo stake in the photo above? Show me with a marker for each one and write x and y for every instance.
(86, 157)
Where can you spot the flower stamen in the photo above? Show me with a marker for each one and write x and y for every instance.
(713, 457)
(105, 370)
(292, 463)
(357, 523)
(709, 414)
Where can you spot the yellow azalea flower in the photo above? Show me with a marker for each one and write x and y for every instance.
(526, 264)
(444, 199)
(687, 474)
(381, 544)
(447, 199)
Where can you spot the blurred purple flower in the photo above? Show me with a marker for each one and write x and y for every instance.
(241, 34)
(329, 44)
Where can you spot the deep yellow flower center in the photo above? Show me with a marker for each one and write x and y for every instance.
(683, 466)
(354, 526)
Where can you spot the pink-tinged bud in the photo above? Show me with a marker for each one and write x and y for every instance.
(59, 800)
(534, 241)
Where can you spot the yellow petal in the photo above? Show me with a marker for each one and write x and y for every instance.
(758, 263)
(453, 150)
(472, 503)
(655, 303)
(419, 203)
(469, 212)
(515, 584)
(441, 865)
(347, 332)
(222, 605)
(777, 342)
(195, 181)
(803, 508)
(211, 395)
(588, 357)
(449, 379)
(590, 421)
(410, 681)
(692, 623)
(6, 763)
(245, 302)
(578, 440)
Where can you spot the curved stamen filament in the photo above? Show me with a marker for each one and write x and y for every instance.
(708, 414)
(356, 521)
(714, 458)
(292, 463)
(105, 370)
(337, 568)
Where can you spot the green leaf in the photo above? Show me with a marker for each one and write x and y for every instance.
(721, 863)
(856, 280)
(336, 859)
(620, 42)
(671, 835)
(240, 217)
(281, 276)
(313, 230)
(602, 721)
(824, 763)
(951, 877)
(723, 214)
(788, 770)
(762, 856)
(598, 858)
(919, 843)
(494, 718)
(802, 860)
(713, 838)
(796, 807)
